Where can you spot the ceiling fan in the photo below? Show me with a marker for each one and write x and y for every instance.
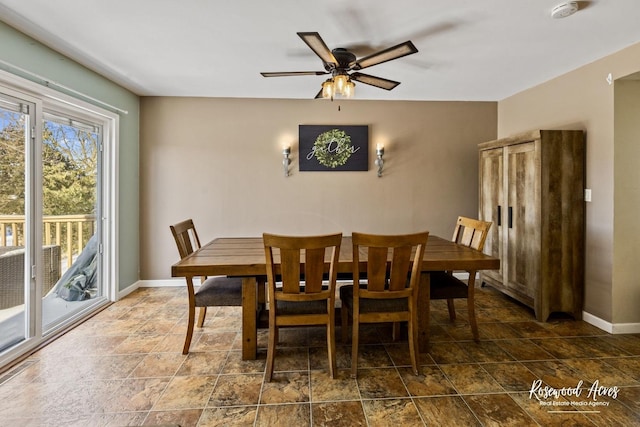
(343, 66)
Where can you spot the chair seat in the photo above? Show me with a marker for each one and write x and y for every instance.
(447, 286)
(219, 291)
(368, 305)
(301, 307)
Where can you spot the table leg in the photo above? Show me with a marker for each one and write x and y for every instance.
(424, 311)
(262, 291)
(249, 318)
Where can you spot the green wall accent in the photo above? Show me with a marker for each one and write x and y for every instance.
(26, 53)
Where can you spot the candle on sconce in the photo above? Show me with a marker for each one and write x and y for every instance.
(379, 160)
(286, 151)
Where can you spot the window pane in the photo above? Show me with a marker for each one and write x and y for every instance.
(70, 157)
(14, 131)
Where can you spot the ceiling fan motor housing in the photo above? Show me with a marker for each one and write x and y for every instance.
(343, 58)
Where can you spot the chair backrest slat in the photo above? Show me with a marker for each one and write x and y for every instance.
(471, 232)
(400, 268)
(186, 237)
(290, 268)
(377, 268)
(314, 269)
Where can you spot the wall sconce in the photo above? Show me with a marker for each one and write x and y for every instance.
(379, 160)
(286, 151)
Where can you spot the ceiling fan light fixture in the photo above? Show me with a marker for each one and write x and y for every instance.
(340, 82)
(328, 89)
(349, 89)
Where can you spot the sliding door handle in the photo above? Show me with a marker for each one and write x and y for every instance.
(499, 215)
(510, 217)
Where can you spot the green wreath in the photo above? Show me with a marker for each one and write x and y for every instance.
(333, 148)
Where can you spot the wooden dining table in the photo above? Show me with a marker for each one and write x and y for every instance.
(244, 257)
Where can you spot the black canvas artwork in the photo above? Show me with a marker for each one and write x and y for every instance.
(334, 147)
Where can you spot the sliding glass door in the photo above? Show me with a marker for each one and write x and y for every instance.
(16, 133)
(51, 218)
(71, 164)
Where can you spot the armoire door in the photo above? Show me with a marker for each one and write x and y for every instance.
(492, 205)
(522, 226)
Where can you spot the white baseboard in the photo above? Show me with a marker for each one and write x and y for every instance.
(612, 328)
(163, 283)
(126, 291)
(626, 328)
(178, 281)
(597, 322)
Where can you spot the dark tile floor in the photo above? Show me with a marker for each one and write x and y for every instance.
(124, 367)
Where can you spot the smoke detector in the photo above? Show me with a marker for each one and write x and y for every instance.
(564, 9)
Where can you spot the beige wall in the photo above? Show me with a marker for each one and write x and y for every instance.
(626, 237)
(583, 99)
(219, 161)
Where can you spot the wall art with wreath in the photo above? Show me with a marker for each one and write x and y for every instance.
(334, 147)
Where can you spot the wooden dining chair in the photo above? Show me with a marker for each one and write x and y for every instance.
(394, 263)
(444, 285)
(213, 291)
(303, 299)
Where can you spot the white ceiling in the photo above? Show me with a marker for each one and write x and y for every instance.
(468, 49)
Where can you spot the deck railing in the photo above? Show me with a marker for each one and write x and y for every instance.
(70, 232)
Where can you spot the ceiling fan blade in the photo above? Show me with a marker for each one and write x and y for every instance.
(319, 95)
(374, 81)
(315, 42)
(293, 73)
(394, 52)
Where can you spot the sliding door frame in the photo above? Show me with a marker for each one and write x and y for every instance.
(45, 98)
